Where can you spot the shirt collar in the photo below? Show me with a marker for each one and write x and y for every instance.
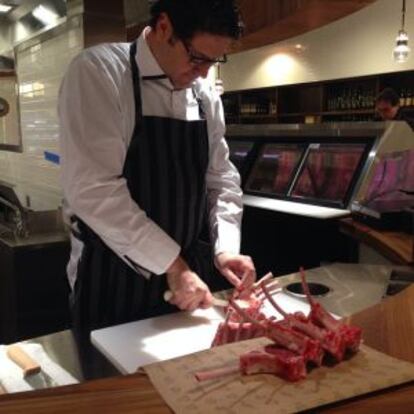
(147, 64)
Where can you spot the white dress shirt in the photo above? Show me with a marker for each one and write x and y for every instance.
(97, 118)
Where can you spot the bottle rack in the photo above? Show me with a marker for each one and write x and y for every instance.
(341, 100)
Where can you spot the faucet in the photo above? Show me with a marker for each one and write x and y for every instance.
(18, 219)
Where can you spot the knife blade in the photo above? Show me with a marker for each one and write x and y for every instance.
(216, 301)
(32, 371)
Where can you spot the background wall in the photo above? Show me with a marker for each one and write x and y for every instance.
(41, 66)
(357, 45)
(5, 36)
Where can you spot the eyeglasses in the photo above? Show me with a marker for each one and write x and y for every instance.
(197, 59)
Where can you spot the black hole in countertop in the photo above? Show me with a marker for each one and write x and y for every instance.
(316, 289)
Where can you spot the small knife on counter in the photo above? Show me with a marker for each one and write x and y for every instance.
(32, 371)
(216, 301)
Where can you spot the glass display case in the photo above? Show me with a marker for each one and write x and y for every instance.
(302, 169)
(274, 168)
(329, 172)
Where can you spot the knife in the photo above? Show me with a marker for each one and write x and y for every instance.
(216, 301)
(32, 371)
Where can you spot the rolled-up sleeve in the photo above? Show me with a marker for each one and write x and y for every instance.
(93, 152)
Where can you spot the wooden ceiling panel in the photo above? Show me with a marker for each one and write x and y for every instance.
(270, 21)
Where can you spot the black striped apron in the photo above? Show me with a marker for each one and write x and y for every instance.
(165, 172)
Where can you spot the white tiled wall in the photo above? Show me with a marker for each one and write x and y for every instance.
(40, 70)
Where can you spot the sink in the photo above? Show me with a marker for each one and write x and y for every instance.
(19, 222)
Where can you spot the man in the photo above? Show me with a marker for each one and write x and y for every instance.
(143, 160)
(387, 105)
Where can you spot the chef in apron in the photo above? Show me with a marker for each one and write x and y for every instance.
(145, 164)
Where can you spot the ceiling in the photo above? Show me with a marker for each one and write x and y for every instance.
(22, 8)
(266, 21)
(12, 2)
(270, 21)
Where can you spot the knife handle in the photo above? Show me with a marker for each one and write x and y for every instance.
(168, 295)
(23, 360)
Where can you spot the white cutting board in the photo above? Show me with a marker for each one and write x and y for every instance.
(132, 345)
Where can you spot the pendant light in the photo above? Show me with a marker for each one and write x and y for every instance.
(401, 49)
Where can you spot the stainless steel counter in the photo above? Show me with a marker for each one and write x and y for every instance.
(34, 240)
(353, 287)
(81, 360)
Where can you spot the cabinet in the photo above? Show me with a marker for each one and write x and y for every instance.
(351, 99)
(33, 287)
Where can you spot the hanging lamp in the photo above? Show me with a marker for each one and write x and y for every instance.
(401, 49)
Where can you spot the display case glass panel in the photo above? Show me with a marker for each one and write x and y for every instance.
(329, 171)
(274, 168)
(239, 152)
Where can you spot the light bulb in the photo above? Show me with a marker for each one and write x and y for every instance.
(401, 50)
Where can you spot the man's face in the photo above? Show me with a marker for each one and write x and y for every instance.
(386, 111)
(192, 59)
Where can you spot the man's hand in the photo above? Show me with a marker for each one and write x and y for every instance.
(189, 291)
(239, 270)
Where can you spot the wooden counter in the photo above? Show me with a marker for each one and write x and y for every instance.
(395, 246)
(388, 327)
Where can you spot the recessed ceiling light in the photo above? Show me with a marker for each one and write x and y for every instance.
(4, 8)
(45, 15)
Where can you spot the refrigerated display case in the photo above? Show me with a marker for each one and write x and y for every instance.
(299, 179)
(324, 170)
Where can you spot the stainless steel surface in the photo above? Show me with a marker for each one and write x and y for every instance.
(38, 240)
(20, 226)
(291, 207)
(354, 287)
(40, 381)
(168, 295)
(77, 357)
(337, 129)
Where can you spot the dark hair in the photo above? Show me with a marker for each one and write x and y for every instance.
(217, 17)
(389, 95)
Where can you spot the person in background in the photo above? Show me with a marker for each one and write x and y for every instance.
(387, 106)
(144, 161)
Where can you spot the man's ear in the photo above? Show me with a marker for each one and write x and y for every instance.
(163, 28)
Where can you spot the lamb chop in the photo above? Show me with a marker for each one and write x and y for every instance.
(270, 359)
(230, 331)
(330, 341)
(283, 335)
(235, 327)
(273, 359)
(297, 339)
(352, 335)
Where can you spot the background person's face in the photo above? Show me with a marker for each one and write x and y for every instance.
(386, 111)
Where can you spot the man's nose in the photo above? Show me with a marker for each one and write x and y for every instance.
(202, 70)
